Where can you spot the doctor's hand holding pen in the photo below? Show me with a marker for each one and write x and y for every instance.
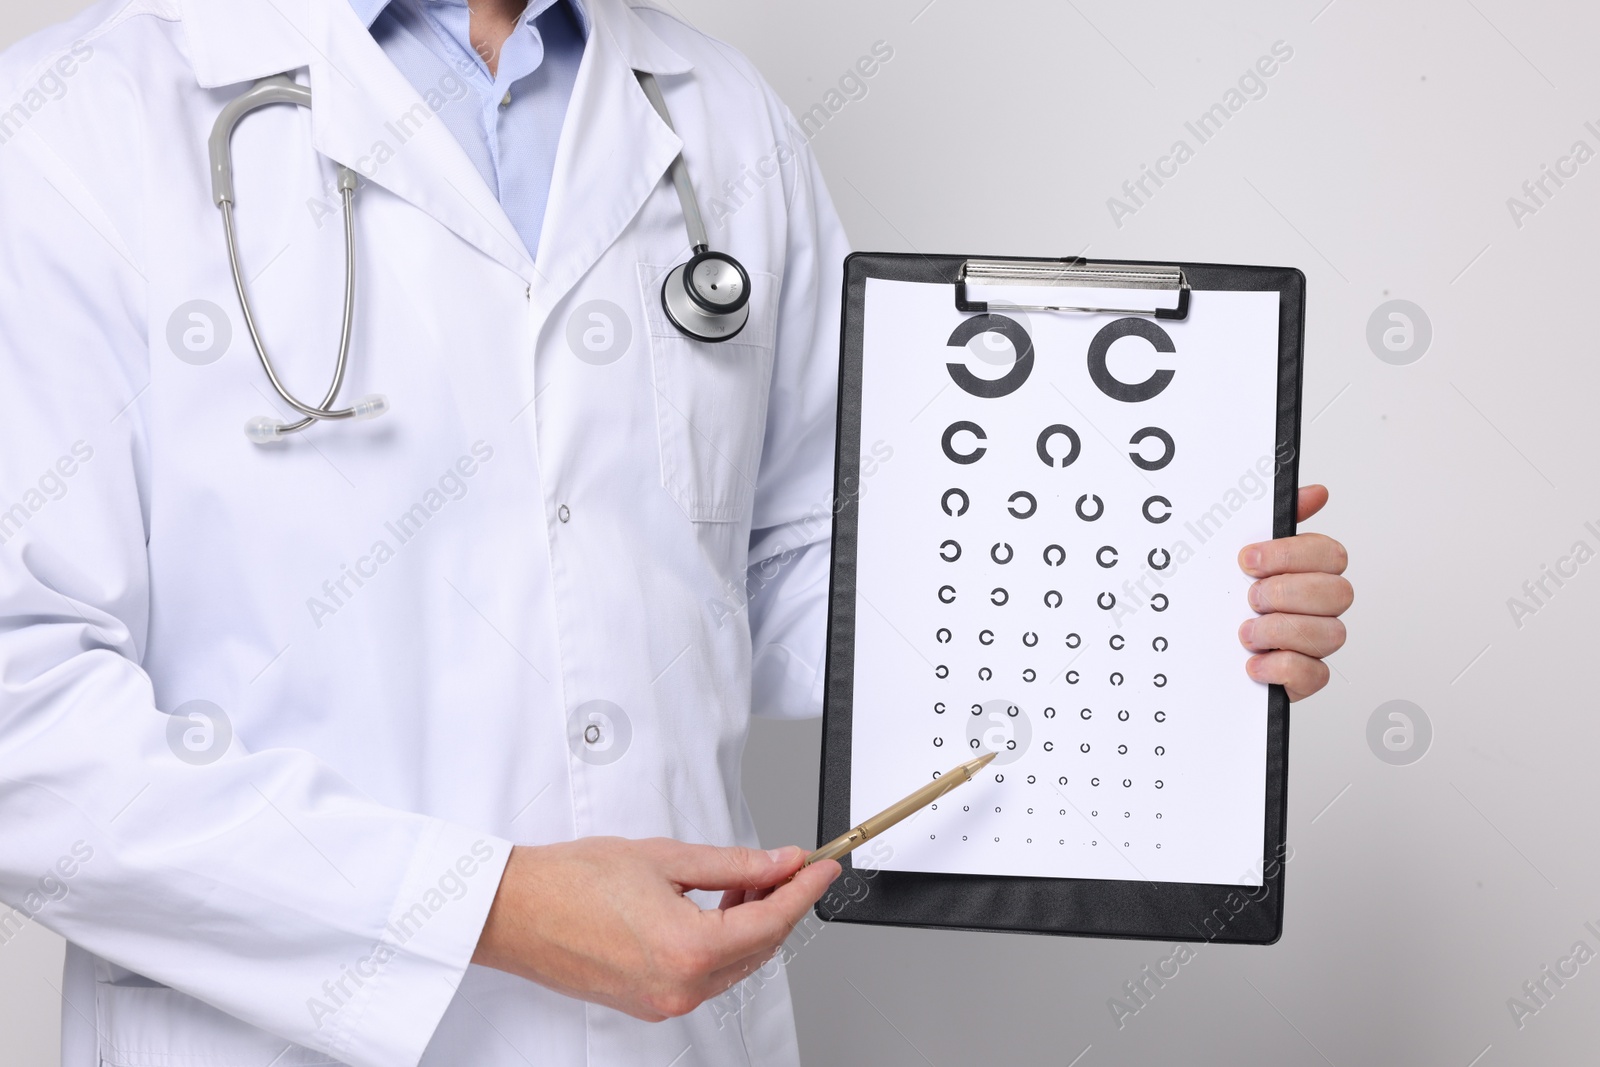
(606, 919)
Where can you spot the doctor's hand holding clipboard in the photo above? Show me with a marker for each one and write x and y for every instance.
(1299, 595)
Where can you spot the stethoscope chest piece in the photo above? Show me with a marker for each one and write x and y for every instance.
(708, 297)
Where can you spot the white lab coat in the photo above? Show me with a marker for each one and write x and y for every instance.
(407, 623)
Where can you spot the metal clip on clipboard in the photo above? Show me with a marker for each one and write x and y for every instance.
(1072, 273)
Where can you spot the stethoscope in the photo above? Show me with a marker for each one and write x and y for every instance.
(707, 298)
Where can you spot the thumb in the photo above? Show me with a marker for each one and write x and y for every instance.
(1310, 501)
(731, 867)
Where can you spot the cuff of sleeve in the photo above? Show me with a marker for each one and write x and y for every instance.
(421, 954)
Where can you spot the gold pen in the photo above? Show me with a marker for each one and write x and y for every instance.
(901, 809)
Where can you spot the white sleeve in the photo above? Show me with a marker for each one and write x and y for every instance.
(263, 884)
(787, 585)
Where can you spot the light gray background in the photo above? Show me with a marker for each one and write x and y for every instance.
(1420, 897)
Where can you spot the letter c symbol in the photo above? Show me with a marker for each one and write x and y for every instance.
(1168, 448)
(1021, 343)
(963, 457)
(1115, 388)
(1074, 445)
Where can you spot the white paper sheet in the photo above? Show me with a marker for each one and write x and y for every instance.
(1144, 761)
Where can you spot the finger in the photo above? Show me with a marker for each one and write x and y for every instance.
(734, 897)
(1300, 554)
(729, 868)
(1302, 594)
(1299, 674)
(1312, 634)
(762, 925)
(1312, 498)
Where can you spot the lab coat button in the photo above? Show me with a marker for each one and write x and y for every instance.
(599, 732)
(564, 513)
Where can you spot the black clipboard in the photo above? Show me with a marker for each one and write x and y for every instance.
(1169, 911)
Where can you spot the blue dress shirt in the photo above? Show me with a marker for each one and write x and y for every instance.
(508, 122)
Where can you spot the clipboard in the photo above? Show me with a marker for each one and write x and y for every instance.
(1167, 308)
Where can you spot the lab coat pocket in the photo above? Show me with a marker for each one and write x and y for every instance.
(145, 1024)
(711, 402)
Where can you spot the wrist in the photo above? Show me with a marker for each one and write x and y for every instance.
(495, 941)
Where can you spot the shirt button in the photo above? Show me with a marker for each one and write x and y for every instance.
(505, 101)
(564, 513)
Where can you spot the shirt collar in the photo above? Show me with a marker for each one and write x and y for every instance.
(369, 10)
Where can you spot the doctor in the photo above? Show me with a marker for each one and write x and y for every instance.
(405, 740)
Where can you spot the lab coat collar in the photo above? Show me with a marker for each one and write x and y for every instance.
(368, 117)
(637, 43)
(234, 41)
(614, 150)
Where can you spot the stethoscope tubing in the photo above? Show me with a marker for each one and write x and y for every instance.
(699, 241)
(281, 89)
(321, 411)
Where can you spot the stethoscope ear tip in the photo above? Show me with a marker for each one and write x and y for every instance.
(370, 406)
(263, 430)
